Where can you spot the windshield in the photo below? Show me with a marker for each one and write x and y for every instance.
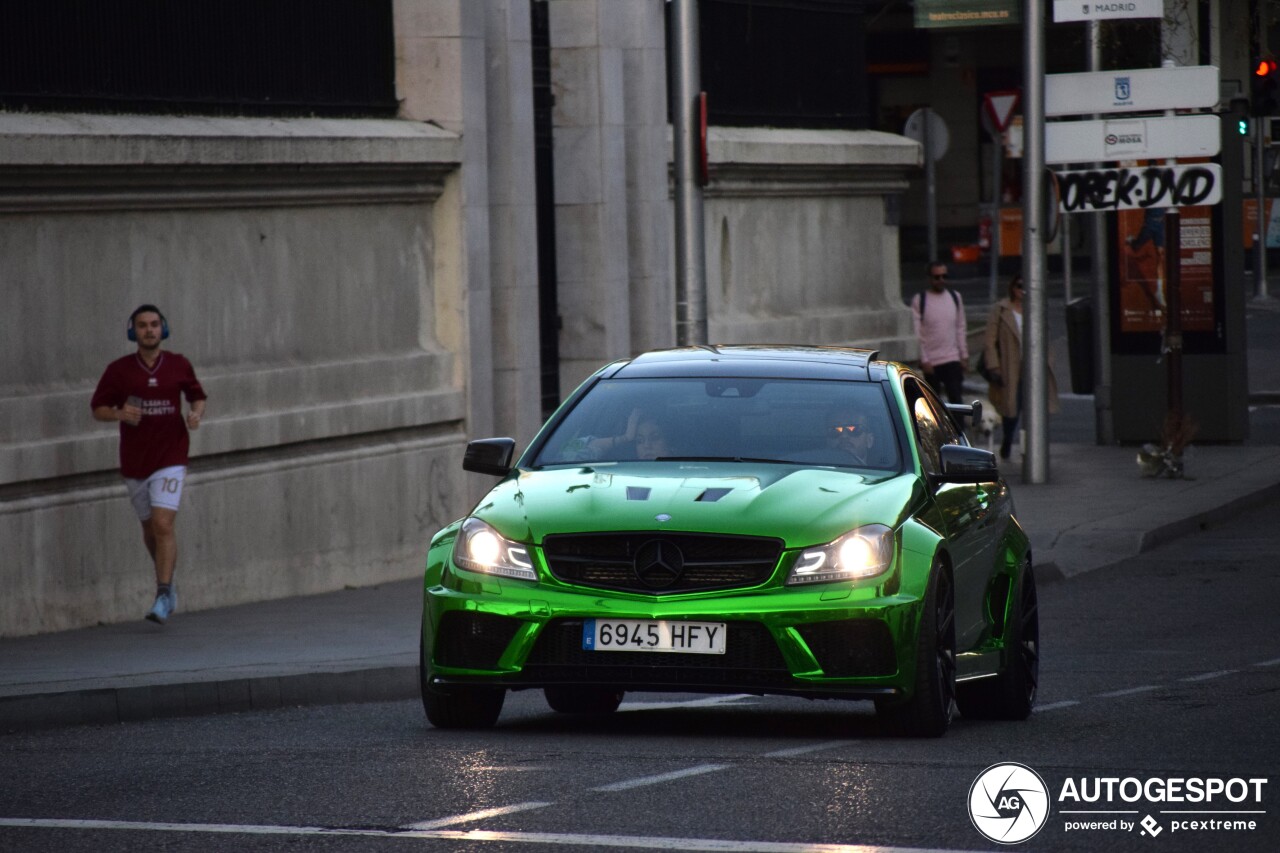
(808, 422)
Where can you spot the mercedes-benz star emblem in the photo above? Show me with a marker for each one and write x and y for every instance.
(658, 564)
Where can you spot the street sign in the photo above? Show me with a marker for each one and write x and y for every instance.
(1135, 90)
(999, 106)
(1132, 139)
(1105, 10)
(1141, 187)
(939, 138)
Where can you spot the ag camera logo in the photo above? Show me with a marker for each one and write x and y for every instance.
(1008, 803)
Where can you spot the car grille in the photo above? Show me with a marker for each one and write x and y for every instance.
(853, 648)
(691, 562)
(473, 640)
(751, 658)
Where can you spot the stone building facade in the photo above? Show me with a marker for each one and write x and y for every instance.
(359, 295)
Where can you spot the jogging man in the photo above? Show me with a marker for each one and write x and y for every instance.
(143, 392)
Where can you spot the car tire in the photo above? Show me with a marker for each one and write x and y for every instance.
(583, 700)
(1012, 694)
(929, 709)
(456, 707)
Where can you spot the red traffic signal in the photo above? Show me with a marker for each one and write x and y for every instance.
(1265, 87)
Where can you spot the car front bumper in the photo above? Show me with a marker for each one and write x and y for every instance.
(819, 643)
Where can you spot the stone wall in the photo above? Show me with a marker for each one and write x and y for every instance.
(295, 262)
(801, 247)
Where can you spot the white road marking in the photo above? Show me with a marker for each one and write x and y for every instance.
(662, 777)
(554, 838)
(1053, 706)
(801, 750)
(1209, 676)
(472, 816)
(690, 703)
(1271, 662)
(1129, 691)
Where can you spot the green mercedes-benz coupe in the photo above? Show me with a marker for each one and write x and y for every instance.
(804, 521)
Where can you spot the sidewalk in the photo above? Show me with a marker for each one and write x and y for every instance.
(361, 644)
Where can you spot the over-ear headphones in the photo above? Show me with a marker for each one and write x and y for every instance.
(143, 309)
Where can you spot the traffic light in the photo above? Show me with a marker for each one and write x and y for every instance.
(1265, 87)
(1242, 125)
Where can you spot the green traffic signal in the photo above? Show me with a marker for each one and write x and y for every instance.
(1243, 126)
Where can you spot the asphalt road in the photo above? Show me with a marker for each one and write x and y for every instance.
(1166, 668)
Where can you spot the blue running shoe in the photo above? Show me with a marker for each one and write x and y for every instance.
(163, 606)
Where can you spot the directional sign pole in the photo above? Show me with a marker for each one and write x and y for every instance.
(931, 188)
(1103, 420)
(1035, 461)
(691, 260)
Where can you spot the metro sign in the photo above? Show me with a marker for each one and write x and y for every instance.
(1132, 139)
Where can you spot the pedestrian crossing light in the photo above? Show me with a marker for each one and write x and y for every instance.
(1266, 87)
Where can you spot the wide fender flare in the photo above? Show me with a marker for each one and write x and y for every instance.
(921, 546)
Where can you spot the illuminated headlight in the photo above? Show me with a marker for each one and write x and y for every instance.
(480, 548)
(862, 553)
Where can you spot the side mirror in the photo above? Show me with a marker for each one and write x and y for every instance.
(961, 464)
(960, 411)
(489, 456)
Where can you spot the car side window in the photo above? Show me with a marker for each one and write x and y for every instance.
(933, 427)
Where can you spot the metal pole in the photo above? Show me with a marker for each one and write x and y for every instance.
(1104, 421)
(931, 187)
(1260, 182)
(691, 259)
(997, 162)
(1035, 462)
(1066, 258)
(1173, 325)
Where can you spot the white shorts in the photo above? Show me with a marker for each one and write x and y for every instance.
(163, 489)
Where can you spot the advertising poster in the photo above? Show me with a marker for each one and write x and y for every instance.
(1143, 269)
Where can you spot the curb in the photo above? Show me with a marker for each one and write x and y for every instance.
(111, 705)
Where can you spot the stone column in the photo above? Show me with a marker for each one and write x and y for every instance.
(590, 184)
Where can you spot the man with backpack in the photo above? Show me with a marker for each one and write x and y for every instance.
(938, 317)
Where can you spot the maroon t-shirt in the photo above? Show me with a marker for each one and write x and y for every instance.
(160, 438)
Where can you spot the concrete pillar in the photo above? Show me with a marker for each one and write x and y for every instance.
(441, 77)
(589, 137)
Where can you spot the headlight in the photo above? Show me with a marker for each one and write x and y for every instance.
(479, 548)
(861, 553)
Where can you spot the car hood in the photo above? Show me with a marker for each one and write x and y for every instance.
(802, 506)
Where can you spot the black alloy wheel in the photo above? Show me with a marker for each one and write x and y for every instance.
(928, 711)
(1011, 694)
(457, 707)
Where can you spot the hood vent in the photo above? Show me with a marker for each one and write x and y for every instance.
(637, 493)
(712, 495)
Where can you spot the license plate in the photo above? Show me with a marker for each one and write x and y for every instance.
(654, 635)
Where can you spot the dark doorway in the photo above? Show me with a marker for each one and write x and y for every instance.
(545, 203)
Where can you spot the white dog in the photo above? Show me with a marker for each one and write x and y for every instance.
(983, 432)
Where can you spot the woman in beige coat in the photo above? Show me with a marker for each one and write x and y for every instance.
(1002, 349)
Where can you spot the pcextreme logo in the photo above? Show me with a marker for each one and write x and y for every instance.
(1008, 803)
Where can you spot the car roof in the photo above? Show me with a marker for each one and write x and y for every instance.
(780, 361)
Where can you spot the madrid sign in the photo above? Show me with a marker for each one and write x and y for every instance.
(1105, 10)
(1132, 139)
(1136, 90)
